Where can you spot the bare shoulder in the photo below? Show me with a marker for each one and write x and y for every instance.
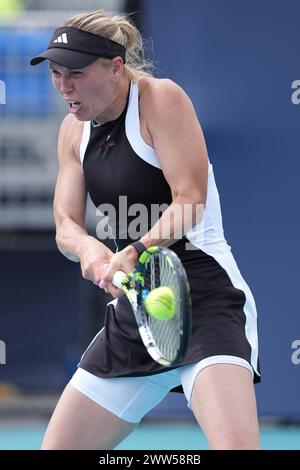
(70, 136)
(163, 100)
(156, 92)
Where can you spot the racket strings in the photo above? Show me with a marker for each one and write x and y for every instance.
(166, 333)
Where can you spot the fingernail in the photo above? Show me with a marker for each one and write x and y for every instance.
(102, 284)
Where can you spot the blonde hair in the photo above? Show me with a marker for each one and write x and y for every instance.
(119, 29)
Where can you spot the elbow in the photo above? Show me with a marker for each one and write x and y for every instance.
(70, 256)
(191, 197)
(192, 205)
(199, 197)
(60, 240)
(199, 201)
(59, 237)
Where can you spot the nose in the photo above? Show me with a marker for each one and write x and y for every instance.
(65, 85)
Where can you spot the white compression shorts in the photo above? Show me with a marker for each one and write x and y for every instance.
(131, 398)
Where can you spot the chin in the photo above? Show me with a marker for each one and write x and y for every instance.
(81, 117)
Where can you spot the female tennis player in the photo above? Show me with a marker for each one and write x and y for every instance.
(128, 134)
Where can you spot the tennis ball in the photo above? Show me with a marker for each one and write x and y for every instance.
(11, 6)
(9, 10)
(160, 303)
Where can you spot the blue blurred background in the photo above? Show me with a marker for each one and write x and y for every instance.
(238, 61)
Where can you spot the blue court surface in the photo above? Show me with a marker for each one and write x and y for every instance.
(151, 436)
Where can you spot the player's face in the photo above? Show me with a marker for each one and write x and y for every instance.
(89, 92)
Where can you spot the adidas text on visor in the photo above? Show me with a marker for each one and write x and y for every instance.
(75, 49)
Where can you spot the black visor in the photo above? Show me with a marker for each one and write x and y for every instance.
(75, 49)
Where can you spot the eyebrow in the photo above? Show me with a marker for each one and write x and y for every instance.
(52, 66)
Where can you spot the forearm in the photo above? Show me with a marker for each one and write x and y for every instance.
(177, 219)
(70, 236)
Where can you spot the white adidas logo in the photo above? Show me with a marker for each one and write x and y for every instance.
(63, 38)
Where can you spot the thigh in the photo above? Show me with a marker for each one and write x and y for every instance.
(223, 402)
(98, 413)
(78, 423)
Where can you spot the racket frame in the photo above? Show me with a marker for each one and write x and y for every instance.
(132, 286)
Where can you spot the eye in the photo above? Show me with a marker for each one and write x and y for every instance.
(55, 73)
(76, 73)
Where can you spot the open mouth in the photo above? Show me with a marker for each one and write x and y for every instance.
(74, 105)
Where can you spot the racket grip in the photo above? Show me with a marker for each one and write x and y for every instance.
(117, 279)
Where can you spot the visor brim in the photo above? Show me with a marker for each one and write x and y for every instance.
(65, 57)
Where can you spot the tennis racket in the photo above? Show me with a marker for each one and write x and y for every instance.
(166, 340)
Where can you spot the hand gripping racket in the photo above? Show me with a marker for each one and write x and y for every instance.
(166, 340)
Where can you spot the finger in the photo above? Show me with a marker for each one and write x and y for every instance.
(107, 277)
(100, 269)
(114, 291)
(104, 268)
(103, 284)
(107, 274)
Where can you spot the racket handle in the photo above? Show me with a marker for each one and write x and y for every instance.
(117, 279)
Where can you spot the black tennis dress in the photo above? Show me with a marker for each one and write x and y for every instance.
(122, 171)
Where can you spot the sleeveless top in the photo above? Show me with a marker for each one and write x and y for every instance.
(122, 172)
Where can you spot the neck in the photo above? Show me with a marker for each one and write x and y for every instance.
(117, 105)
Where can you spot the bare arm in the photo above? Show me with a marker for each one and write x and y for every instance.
(72, 238)
(70, 196)
(179, 143)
